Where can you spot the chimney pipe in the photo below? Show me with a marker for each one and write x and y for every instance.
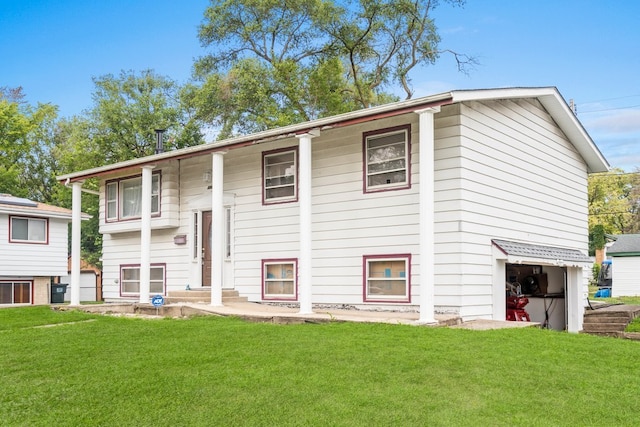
(159, 140)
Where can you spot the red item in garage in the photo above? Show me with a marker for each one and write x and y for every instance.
(515, 309)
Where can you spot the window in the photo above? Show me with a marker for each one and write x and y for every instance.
(15, 292)
(279, 171)
(124, 198)
(279, 279)
(28, 230)
(130, 279)
(386, 158)
(387, 278)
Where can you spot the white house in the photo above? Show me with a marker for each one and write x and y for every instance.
(33, 249)
(625, 265)
(430, 204)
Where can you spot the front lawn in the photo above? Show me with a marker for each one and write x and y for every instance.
(213, 371)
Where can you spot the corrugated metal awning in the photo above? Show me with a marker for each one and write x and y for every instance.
(521, 253)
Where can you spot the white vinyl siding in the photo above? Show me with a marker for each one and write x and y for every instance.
(26, 259)
(625, 276)
(503, 170)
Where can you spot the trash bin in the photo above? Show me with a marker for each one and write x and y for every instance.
(57, 292)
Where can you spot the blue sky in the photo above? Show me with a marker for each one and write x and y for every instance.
(588, 49)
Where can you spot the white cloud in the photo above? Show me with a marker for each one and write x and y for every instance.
(617, 122)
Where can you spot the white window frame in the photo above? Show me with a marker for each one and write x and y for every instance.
(114, 193)
(381, 273)
(160, 284)
(31, 221)
(375, 158)
(278, 273)
(275, 172)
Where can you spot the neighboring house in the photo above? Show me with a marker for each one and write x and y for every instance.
(625, 265)
(33, 249)
(90, 282)
(430, 204)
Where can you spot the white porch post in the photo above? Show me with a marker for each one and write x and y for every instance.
(305, 278)
(76, 218)
(145, 235)
(427, 216)
(217, 226)
(574, 299)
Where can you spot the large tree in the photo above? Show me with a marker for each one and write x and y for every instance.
(25, 144)
(129, 108)
(614, 205)
(275, 62)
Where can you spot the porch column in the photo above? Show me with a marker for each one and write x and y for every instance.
(574, 297)
(145, 234)
(305, 278)
(76, 218)
(427, 216)
(217, 226)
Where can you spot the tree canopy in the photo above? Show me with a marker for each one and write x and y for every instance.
(276, 62)
(614, 205)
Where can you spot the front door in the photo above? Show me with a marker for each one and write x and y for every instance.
(206, 248)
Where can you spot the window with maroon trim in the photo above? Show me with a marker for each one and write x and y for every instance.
(28, 230)
(18, 292)
(279, 171)
(279, 279)
(387, 159)
(130, 279)
(123, 198)
(387, 278)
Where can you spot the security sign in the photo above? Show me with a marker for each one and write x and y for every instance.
(157, 301)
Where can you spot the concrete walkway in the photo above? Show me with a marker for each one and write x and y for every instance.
(286, 315)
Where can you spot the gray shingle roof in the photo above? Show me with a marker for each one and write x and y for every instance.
(539, 251)
(627, 244)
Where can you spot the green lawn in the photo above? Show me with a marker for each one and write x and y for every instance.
(212, 371)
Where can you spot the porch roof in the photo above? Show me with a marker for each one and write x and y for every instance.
(518, 252)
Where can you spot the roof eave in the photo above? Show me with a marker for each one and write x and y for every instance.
(373, 113)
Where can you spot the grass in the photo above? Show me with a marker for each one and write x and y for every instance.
(207, 371)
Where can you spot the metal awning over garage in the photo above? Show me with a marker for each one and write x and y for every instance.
(526, 253)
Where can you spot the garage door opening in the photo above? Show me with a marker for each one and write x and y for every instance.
(544, 288)
(552, 279)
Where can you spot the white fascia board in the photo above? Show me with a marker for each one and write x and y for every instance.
(40, 214)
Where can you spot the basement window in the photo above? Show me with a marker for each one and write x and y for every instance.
(387, 278)
(279, 279)
(130, 279)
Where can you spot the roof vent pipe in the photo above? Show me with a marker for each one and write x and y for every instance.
(159, 141)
